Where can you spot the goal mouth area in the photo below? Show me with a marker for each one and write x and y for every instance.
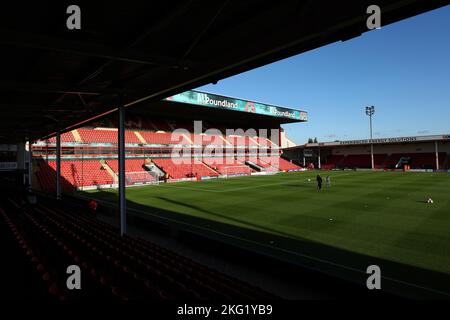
(136, 178)
(235, 171)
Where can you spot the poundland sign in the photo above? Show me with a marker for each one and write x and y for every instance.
(204, 99)
(216, 101)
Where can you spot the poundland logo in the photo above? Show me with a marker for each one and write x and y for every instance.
(286, 114)
(205, 99)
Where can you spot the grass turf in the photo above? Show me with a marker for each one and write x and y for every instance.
(379, 214)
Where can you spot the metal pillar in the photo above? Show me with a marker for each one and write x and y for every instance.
(319, 165)
(121, 140)
(371, 144)
(58, 166)
(279, 139)
(437, 154)
(370, 111)
(30, 165)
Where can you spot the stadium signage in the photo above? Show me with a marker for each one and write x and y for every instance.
(205, 99)
(385, 140)
(216, 101)
(380, 141)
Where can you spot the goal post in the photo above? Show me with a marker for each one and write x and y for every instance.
(133, 178)
(235, 171)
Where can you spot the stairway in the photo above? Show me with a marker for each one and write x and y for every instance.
(153, 169)
(109, 170)
(254, 166)
(140, 137)
(254, 141)
(209, 167)
(158, 168)
(187, 138)
(77, 136)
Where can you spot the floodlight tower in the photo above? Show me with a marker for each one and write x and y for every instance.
(370, 112)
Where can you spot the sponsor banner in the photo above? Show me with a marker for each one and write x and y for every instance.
(221, 102)
(382, 140)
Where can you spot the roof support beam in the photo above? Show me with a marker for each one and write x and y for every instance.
(42, 42)
(58, 88)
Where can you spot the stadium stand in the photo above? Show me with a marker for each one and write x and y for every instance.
(384, 161)
(417, 160)
(162, 138)
(264, 142)
(65, 137)
(189, 169)
(241, 141)
(332, 162)
(276, 164)
(269, 165)
(228, 166)
(105, 136)
(135, 171)
(363, 161)
(208, 139)
(74, 173)
(285, 165)
(49, 237)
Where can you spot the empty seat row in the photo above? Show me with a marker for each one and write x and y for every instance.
(166, 137)
(139, 268)
(188, 168)
(227, 165)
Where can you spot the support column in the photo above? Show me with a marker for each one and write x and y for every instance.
(58, 166)
(279, 138)
(319, 164)
(371, 156)
(30, 165)
(121, 145)
(437, 154)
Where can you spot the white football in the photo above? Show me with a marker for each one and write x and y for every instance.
(309, 180)
(430, 200)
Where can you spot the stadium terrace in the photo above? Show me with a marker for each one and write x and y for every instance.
(416, 153)
(172, 147)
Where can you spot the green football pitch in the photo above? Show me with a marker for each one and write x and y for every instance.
(375, 214)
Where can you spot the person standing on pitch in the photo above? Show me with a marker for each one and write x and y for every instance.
(328, 181)
(319, 182)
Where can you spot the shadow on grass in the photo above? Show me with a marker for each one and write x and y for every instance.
(402, 279)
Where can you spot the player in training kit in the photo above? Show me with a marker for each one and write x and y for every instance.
(319, 182)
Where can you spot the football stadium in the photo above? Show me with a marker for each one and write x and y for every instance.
(122, 179)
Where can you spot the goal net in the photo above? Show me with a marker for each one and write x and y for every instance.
(139, 178)
(235, 171)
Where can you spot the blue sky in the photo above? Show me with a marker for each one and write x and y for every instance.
(402, 69)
